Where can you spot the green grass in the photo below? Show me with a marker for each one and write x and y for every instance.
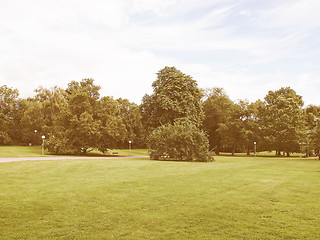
(36, 151)
(21, 151)
(232, 198)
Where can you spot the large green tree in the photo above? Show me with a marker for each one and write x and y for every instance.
(312, 132)
(283, 120)
(174, 106)
(42, 112)
(87, 122)
(175, 95)
(233, 129)
(217, 108)
(131, 118)
(250, 122)
(10, 115)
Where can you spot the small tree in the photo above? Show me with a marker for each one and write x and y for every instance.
(179, 141)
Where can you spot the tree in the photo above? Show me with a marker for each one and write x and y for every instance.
(175, 95)
(312, 133)
(315, 138)
(216, 108)
(53, 102)
(176, 98)
(250, 122)
(283, 121)
(233, 129)
(87, 122)
(113, 130)
(42, 113)
(179, 141)
(32, 120)
(9, 107)
(131, 118)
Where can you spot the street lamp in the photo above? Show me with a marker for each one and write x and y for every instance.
(35, 137)
(43, 137)
(130, 148)
(255, 149)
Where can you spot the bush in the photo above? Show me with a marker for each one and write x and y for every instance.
(5, 139)
(59, 145)
(181, 141)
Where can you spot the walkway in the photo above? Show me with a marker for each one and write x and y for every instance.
(2, 160)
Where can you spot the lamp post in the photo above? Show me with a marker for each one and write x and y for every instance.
(130, 148)
(255, 149)
(35, 137)
(43, 137)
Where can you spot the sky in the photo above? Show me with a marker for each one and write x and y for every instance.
(247, 47)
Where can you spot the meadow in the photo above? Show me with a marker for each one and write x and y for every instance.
(231, 198)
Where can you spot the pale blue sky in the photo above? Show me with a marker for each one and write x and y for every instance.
(247, 47)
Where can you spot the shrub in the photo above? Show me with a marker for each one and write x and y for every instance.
(181, 141)
(59, 145)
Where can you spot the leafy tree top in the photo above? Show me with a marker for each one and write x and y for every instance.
(282, 95)
(175, 95)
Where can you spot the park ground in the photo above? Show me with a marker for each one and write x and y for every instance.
(231, 198)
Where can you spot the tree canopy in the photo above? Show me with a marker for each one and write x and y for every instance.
(283, 120)
(77, 119)
(175, 95)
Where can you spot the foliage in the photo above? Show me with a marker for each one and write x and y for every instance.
(41, 113)
(87, 121)
(312, 133)
(175, 95)
(241, 127)
(131, 118)
(229, 125)
(315, 137)
(233, 129)
(216, 108)
(78, 120)
(250, 120)
(179, 141)
(9, 108)
(283, 120)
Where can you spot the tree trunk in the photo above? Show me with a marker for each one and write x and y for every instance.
(217, 150)
(248, 151)
(233, 149)
(84, 151)
(288, 154)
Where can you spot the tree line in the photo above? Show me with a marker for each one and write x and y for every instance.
(77, 119)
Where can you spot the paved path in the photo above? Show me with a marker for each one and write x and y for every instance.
(2, 160)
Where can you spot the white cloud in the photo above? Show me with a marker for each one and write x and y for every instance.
(246, 12)
(293, 15)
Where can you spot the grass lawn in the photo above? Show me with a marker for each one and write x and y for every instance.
(36, 151)
(21, 151)
(232, 198)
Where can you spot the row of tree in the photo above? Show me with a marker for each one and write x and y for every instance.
(77, 119)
